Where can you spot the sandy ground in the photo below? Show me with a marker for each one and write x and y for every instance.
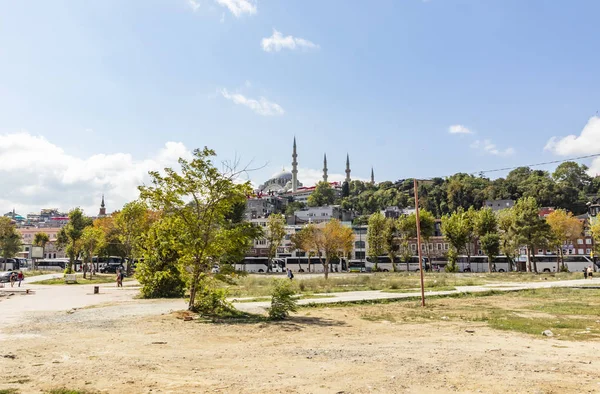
(120, 349)
(64, 336)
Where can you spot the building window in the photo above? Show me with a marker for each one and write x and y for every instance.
(359, 244)
(413, 247)
(431, 247)
(446, 246)
(439, 246)
(359, 255)
(579, 251)
(570, 251)
(588, 251)
(588, 241)
(580, 241)
(540, 251)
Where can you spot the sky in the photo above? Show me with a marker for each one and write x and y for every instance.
(96, 93)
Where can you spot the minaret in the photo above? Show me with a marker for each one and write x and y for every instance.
(325, 167)
(294, 169)
(102, 212)
(347, 168)
(372, 176)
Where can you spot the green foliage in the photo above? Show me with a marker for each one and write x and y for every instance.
(69, 236)
(10, 238)
(131, 223)
(322, 195)
(158, 273)
(274, 234)
(376, 236)
(452, 256)
(456, 229)
(200, 200)
(282, 300)
(293, 206)
(41, 239)
(211, 300)
(531, 230)
(390, 234)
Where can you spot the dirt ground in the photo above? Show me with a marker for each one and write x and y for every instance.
(118, 349)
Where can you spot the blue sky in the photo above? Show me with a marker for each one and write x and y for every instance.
(384, 81)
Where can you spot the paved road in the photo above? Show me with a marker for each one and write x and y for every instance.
(16, 308)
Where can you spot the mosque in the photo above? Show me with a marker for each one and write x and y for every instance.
(286, 182)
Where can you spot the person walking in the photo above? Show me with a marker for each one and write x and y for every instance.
(590, 272)
(119, 278)
(13, 278)
(585, 271)
(290, 275)
(20, 277)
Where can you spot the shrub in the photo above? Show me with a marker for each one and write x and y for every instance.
(282, 300)
(159, 279)
(452, 266)
(211, 300)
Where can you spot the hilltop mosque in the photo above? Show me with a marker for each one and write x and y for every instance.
(287, 181)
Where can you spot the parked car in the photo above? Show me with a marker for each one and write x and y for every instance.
(5, 276)
(111, 268)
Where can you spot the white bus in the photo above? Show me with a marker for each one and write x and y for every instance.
(301, 264)
(384, 264)
(551, 263)
(480, 264)
(260, 265)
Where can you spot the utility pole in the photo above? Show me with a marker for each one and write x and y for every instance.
(419, 242)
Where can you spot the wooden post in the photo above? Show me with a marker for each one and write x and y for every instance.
(419, 242)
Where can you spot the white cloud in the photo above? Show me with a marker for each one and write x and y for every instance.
(239, 7)
(278, 42)
(487, 146)
(459, 129)
(194, 4)
(587, 142)
(262, 106)
(38, 174)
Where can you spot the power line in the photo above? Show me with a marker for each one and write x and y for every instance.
(529, 165)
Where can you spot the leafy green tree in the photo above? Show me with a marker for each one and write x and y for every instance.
(159, 271)
(405, 230)
(389, 240)
(293, 206)
(131, 223)
(376, 237)
(509, 241)
(456, 228)
(322, 195)
(92, 240)
(41, 239)
(328, 241)
(69, 237)
(531, 229)
(10, 239)
(274, 235)
(486, 228)
(564, 228)
(199, 199)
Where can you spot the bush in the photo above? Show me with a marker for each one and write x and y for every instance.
(159, 280)
(211, 300)
(282, 300)
(452, 266)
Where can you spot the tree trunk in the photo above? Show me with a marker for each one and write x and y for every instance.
(534, 262)
(84, 269)
(528, 267)
(326, 269)
(561, 261)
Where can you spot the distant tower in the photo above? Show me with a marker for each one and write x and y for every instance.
(102, 212)
(294, 169)
(347, 168)
(372, 176)
(325, 167)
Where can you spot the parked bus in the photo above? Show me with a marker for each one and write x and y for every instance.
(384, 264)
(301, 264)
(480, 264)
(260, 264)
(356, 266)
(10, 265)
(551, 263)
(52, 264)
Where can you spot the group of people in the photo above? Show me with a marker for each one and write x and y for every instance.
(588, 272)
(17, 278)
